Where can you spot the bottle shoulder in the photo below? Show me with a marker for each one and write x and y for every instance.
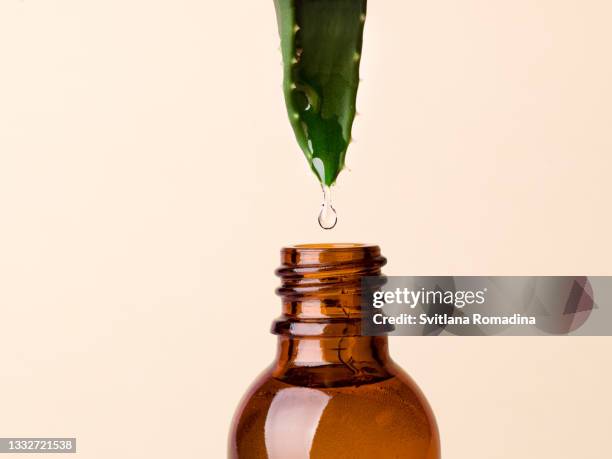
(381, 415)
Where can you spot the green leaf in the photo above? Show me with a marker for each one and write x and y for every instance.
(321, 46)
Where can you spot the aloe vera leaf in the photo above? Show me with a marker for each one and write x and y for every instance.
(321, 47)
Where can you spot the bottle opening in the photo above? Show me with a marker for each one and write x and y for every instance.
(328, 246)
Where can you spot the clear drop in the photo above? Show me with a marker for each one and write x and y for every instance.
(327, 217)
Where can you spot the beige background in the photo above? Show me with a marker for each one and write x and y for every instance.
(148, 177)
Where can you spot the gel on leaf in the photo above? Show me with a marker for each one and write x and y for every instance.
(321, 47)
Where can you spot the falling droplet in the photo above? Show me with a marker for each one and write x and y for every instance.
(327, 217)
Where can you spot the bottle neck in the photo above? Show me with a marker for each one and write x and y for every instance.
(332, 361)
(321, 288)
(320, 329)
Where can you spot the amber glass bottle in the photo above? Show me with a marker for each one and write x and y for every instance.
(331, 393)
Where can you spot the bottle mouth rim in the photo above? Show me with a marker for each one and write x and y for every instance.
(329, 257)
